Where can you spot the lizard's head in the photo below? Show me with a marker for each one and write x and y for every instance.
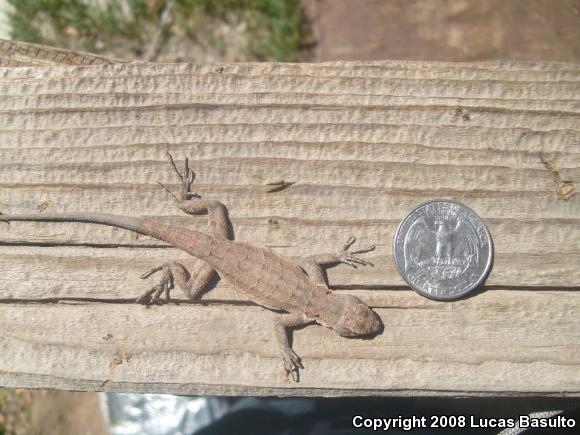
(357, 319)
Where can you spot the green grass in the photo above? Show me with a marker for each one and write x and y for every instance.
(273, 28)
(14, 411)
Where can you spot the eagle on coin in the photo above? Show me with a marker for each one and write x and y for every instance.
(443, 244)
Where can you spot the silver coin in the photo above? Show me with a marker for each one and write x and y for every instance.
(443, 249)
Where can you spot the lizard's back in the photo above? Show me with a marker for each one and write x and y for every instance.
(269, 279)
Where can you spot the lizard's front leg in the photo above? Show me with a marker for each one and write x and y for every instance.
(313, 264)
(192, 282)
(283, 326)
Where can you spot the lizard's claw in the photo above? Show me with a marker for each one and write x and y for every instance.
(186, 177)
(292, 363)
(153, 296)
(350, 257)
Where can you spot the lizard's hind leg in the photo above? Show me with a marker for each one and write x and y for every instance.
(175, 274)
(194, 281)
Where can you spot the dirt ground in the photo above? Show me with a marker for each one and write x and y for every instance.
(64, 412)
(49, 412)
(447, 30)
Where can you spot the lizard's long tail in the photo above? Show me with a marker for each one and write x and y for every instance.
(129, 223)
(193, 242)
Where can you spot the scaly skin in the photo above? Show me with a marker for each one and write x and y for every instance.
(267, 278)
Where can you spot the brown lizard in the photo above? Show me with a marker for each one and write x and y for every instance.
(270, 280)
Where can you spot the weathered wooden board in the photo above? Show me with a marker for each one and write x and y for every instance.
(18, 54)
(363, 143)
(460, 348)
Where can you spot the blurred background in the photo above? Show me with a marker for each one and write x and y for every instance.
(206, 31)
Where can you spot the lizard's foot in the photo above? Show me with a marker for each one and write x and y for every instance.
(292, 363)
(350, 257)
(186, 177)
(153, 296)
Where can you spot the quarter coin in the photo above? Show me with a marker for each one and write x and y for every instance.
(443, 249)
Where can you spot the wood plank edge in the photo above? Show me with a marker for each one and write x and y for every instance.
(27, 380)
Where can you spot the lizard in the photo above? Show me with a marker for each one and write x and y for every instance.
(298, 291)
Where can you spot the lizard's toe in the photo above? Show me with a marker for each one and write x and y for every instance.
(153, 296)
(144, 299)
(292, 363)
(297, 362)
(156, 299)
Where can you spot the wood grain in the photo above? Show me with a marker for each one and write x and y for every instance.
(363, 143)
(18, 54)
